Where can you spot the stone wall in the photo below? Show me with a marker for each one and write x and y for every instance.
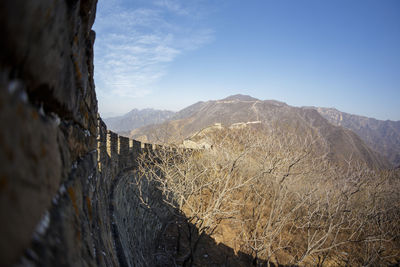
(66, 197)
(135, 228)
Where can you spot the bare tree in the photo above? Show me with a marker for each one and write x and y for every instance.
(338, 219)
(201, 184)
(282, 197)
(283, 162)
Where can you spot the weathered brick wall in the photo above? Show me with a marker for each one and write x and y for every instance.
(66, 198)
(48, 137)
(135, 227)
(138, 226)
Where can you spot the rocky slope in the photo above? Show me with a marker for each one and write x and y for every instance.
(342, 143)
(382, 136)
(137, 118)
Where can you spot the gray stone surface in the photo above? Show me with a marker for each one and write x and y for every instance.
(134, 219)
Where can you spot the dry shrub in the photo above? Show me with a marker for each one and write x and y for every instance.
(281, 198)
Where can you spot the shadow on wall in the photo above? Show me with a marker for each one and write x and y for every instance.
(152, 234)
(174, 248)
(160, 236)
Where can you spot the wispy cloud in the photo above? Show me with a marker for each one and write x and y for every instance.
(175, 6)
(135, 45)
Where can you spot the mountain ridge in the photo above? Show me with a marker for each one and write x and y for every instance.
(342, 142)
(137, 118)
(381, 135)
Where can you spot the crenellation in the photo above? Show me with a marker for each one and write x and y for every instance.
(112, 144)
(135, 149)
(123, 152)
(102, 154)
(123, 145)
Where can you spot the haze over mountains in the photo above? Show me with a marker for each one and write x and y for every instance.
(382, 136)
(341, 131)
(137, 118)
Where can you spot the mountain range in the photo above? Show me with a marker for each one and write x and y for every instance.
(343, 143)
(382, 136)
(346, 134)
(137, 118)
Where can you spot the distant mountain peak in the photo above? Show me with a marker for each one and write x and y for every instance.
(137, 118)
(240, 97)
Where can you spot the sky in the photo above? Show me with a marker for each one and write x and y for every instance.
(169, 54)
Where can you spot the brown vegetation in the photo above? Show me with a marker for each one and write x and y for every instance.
(276, 196)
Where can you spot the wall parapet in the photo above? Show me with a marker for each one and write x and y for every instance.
(119, 152)
(135, 229)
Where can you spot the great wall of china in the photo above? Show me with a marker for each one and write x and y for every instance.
(66, 196)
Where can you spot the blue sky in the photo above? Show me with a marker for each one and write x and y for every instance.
(168, 54)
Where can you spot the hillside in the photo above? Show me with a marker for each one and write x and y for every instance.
(137, 118)
(342, 143)
(382, 136)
